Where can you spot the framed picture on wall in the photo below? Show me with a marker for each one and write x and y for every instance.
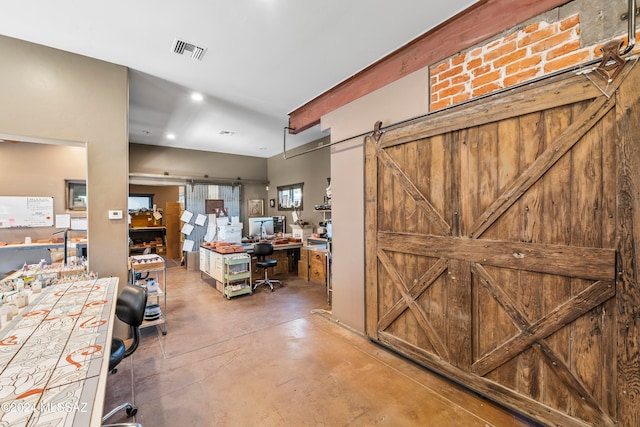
(256, 207)
(272, 203)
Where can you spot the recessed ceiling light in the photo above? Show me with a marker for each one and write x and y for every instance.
(197, 96)
(262, 148)
(171, 136)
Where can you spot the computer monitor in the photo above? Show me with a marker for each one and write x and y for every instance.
(257, 223)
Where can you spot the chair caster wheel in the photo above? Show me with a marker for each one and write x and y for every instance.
(132, 410)
(164, 332)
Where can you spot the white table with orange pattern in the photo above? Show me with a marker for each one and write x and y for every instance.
(54, 356)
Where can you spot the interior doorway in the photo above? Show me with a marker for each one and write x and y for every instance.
(152, 209)
(37, 167)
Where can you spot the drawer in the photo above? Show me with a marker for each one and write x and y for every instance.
(318, 266)
(317, 274)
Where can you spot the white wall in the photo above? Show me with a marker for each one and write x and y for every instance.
(401, 100)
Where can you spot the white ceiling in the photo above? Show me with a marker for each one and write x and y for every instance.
(264, 58)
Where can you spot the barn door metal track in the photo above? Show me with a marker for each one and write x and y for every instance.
(610, 66)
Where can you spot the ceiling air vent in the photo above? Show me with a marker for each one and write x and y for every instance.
(182, 47)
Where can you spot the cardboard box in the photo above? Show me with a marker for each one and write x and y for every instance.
(193, 261)
(302, 233)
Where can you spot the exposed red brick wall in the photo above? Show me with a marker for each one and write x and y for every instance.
(536, 50)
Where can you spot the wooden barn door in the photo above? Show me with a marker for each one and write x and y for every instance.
(500, 246)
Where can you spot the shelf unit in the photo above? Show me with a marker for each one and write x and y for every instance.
(151, 238)
(237, 275)
(319, 275)
(152, 266)
(325, 213)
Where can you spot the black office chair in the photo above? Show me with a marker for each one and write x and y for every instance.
(262, 250)
(130, 307)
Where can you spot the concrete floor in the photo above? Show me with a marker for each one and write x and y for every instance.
(276, 359)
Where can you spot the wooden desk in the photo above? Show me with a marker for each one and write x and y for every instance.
(54, 356)
(281, 247)
(287, 255)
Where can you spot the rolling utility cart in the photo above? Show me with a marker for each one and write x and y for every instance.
(236, 275)
(232, 271)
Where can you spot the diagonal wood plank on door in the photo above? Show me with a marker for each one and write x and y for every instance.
(419, 313)
(409, 187)
(414, 292)
(592, 115)
(565, 313)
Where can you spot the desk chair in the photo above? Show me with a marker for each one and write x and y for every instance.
(263, 250)
(130, 307)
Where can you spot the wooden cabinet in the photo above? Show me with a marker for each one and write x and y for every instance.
(313, 264)
(172, 213)
(303, 264)
(318, 265)
(281, 268)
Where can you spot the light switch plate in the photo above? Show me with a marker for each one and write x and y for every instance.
(115, 214)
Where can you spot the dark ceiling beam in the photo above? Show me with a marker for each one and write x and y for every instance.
(479, 22)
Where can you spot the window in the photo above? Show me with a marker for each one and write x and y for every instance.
(140, 201)
(290, 197)
(76, 194)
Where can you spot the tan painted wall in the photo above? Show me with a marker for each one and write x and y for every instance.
(161, 193)
(312, 169)
(399, 101)
(150, 159)
(49, 93)
(54, 164)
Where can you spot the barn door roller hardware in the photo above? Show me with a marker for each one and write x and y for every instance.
(631, 28)
(612, 61)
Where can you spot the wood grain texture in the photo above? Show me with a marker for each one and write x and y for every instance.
(371, 219)
(566, 91)
(529, 295)
(515, 401)
(587, 263)
(628, 234)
